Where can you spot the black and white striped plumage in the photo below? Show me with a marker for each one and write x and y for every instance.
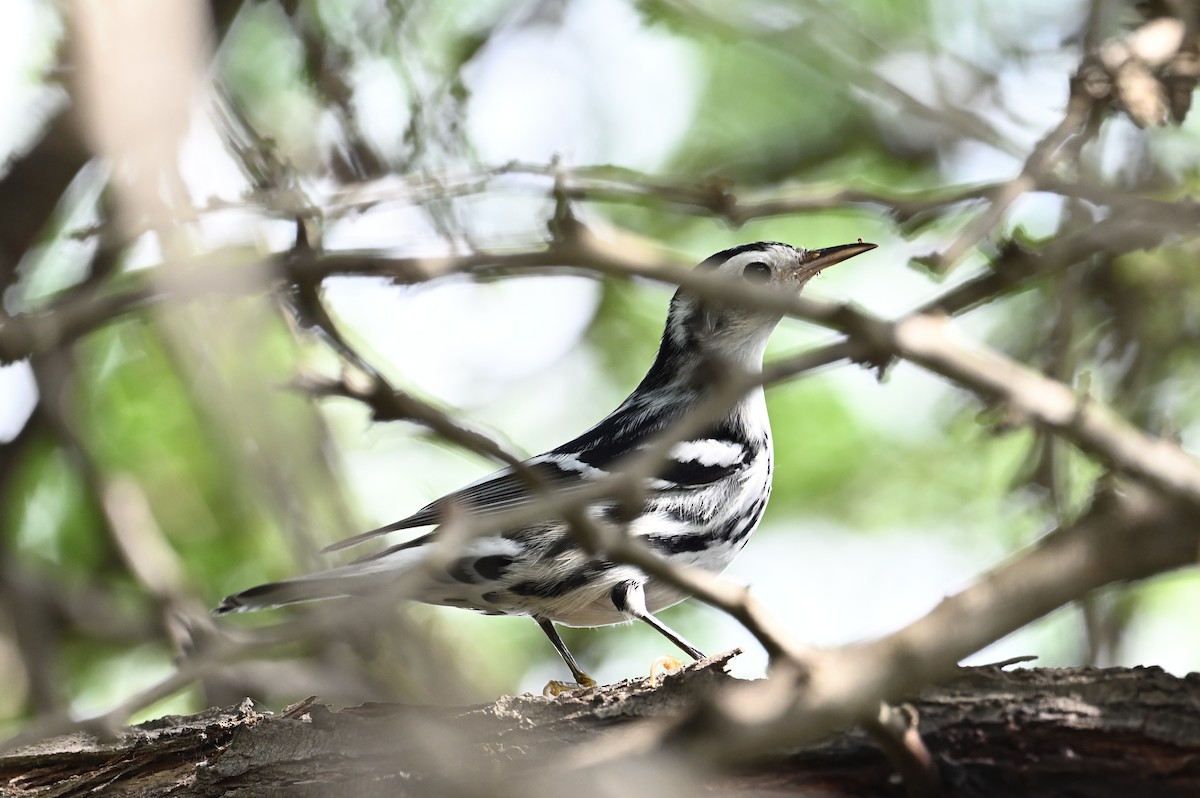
(699, 510)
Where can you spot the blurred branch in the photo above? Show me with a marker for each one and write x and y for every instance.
(329, 65)
(896, 733)
(220, 651)
(32, 187)
(833, 43)
(362, 382)
(1141, 222)
(1100, 432)
(1062, 143)
(1134, 67)
(1140, 529)
(932, 343)
(1129, 533)
(927, 342)
(722, 200)
(234, 273)
(388, 403)
(274, 193)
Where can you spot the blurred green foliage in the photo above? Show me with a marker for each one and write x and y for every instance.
(788, 94)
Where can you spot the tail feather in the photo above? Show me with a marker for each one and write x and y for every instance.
(277, 594)
(347, 580)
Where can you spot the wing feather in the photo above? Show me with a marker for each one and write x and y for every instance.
(721, 452)
(496, 493)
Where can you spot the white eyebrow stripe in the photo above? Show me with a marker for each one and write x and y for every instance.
(709, 452)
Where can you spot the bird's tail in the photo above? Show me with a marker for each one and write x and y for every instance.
(356, 579)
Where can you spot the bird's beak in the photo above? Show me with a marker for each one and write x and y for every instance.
(817, 260)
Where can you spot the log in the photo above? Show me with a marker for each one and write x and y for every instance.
(1029, 732)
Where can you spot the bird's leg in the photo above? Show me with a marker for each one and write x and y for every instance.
(630, 598)
(581, 679)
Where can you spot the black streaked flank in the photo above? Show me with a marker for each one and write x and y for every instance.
(683, 473)
(691, 473)
(543, 542)
(460, 571)
(557, 588)
(735, 533)
(493, 566)
(684, 513)
(556, 546)
(680, 543)
(732, 531)
(619, 513)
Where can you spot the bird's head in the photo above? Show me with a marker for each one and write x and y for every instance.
(736, 330)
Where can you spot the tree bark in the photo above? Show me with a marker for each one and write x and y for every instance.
(1036, 732)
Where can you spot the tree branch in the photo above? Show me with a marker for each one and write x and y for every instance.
(986, 730)
(1128, 534)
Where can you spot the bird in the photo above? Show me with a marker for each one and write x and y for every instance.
(698, 509)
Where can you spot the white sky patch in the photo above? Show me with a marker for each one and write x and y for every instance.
(18, 395)
(381, 101)
(28, 33)
(573, 90)
(464, 342)
(708, 452)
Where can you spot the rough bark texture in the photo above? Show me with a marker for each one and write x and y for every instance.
(1095, 732)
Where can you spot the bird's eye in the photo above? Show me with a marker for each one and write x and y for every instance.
(757, 272)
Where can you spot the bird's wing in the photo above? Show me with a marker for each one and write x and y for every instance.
(720, 451)
(717, 454)
(495, 493)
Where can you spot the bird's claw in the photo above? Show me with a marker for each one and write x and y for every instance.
(556, 688)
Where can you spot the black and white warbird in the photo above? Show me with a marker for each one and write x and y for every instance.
(699, 510)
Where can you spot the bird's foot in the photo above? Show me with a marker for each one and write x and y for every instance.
(555, 688)
(666, 664)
